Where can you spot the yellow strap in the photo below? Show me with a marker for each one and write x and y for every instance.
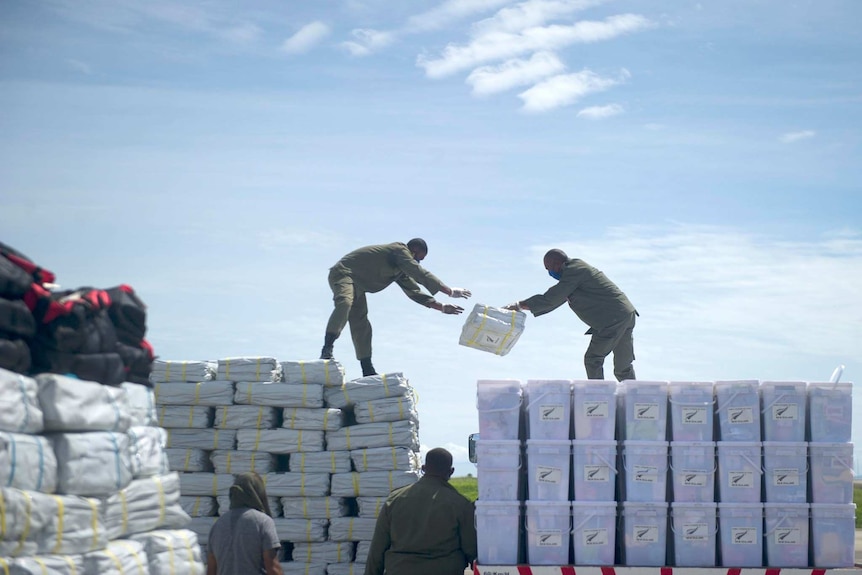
(304, 394)
(188, 546)
(302, 484)
(253, 457)
(5, 565)
(191, 416)
(196, 507)
(168, 433)
(156, 391)
(301, 461)
(2, 516)
(385, 385)
(170, 545)
(390, 481)
(347, 434)
(198, 391)
(61, 517)
(257, 440)
(401, 408)
(302, 371)
(328, 513)
(259, 416)
(332, 461)
(113, 557)
(370, 412)
(223, 417)
(188, 458)
(364, 460)
(124, 511)
(355, 478)
(257, 371)
(300, 440)
(390, 435)
(41, 564)
(308, 530)
(162, 415)
(26, 531)
(70, 563)
(135, 555)
(293, 418)
(183, 371)
(394, 459)
(346, 395)
(248, 393)
(472, 341)
(215, 484)
(228, 462)
(508, 334)
(167, 371)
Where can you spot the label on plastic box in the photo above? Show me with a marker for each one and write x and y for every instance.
(693, 415)
(788, 536)
(551, 412)
(695, 532)
(741, 478)
(597, 473)
(743, 535)
(646, 411)
(785, 412)
(596, 409)
(645, 474)
(785, 477)
(596, 536)
(740, 415)
(550, 538)
(694, 479)
(646, 533)
(548, 474)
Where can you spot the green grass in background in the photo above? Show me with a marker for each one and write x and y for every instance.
(467, 486)
(857, 499)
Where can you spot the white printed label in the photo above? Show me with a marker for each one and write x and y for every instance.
(785, 477)
(743, 535)
(785, 412)
(549, 538)
(787, 536)
(595, 536)
(646, 411)
(499, 571)
(597, 473)
(644, 474)
(693, 415)
(596, 409)
(740, 415)
(548, 474)
(646, 533)
(551, 412)
(694, 479)
(741, 478)
(695, 532)
(492, 339)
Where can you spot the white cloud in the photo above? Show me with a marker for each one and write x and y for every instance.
(530, 14)
(598, 112)
(792, 137)
(367, 41)
(512, 73)
(80, 66)
(449, 11)
(495, 44)
(565, 89)
(306, 38)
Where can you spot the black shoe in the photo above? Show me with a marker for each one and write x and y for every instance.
(326, 352)
(367, 368)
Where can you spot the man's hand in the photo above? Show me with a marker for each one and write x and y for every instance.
(451, 309)
(460, 292)
(513, 306)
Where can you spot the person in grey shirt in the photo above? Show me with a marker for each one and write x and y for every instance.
(244, 541)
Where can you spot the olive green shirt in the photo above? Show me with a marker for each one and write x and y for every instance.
(591, 295)
(374, 268)
(426, 528)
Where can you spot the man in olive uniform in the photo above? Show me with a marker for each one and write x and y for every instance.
(369, 270)
(426, 528)
(599, 303)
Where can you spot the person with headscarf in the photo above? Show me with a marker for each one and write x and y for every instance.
(244, 540)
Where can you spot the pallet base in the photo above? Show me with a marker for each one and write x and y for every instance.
(583, 570)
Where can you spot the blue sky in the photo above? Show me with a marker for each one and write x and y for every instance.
(219, 157)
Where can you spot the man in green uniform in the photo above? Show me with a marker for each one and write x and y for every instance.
(599, 303)
(369, 270)
(426, 528)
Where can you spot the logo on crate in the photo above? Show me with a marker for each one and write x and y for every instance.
(552, 413)
(787, 536)
(596, 408)
(695, 532)
(694, 480)
(595, 536)
(646, 533)
(493, 339)
(550, 539)
(742, 479)
(693, 415)
(785, 412)
(597, 473)
(646, 411)
(643, 474)
(785, 477)
(743, 535)
(548, 474)
(740, 415)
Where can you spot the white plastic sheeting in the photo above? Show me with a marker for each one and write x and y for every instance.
(38, 523)
(142, 403)
(324, 419)
(122, 557)
(367, 388)
(326, 372)
(172, 552)
(27, 462)
(278, 394)
(279, 440)
(327, 552)
(20, 411)
(492, 329)
(395, 433)
(385, 459)
(246, 416)
(297, 484)
(294, 568)
(249, 369)
(71, 404)
(301, 529)
(370, 506)
(346, 569)
(230, 461)
(94, 463)
(223, 502)
(208, 439)
(212, 484)
(164, 371)
(314, 508)
(387, 409)
(146, 504)
(216, 392)
(42, 564)
(362, 549)
(351, 528)
(187, 416)
(371, 482)
(147, 449)
(320, 462)
(199, 506)
(201, 526)
(188, 459)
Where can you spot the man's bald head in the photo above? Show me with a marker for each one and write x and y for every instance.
(438, 462)
(555, 258)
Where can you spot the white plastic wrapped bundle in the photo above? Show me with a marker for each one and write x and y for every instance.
(95, 463)
(71, 404)
(172, 551)
(295, 568)
(370, 506)
(297, 484)
(37, 523)
(301, 529)
(187, 416)
(279, 440)
(320, 462)
(27, 462)
(371, 482)
(212, 484)
(351, 528)
(142, 403)
(323, 419)
(235, 461)
(246, 416)
(147, 449)
(121, 557)
(367, 388)
(314, 507)
(324, 552)
(249, 369)
(362, 549)
(326, 372)
(216, 392)
(146, 504)
(346, 569)
(42, 564)
(202, 438)
(166, 370)
(278, 394)
(199, 506)
(19, 403)
(274, 503)
(188, 459)
(492, 329)
(200, 526)
(387, 409)
(364, 435)
(385, 459)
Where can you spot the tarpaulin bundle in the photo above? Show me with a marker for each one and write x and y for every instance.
(351, 528)
(315, 507)
(301, 529)
(15, 355)
(323, 552)
(138, 361)
(233, 461)
(16, 321)
(199, 505)
(223, 503)
(172, 551)
(128, 314)
(14, 282)
(345, 569)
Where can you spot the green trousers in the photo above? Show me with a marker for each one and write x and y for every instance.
(616, 339)
(351, 307)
